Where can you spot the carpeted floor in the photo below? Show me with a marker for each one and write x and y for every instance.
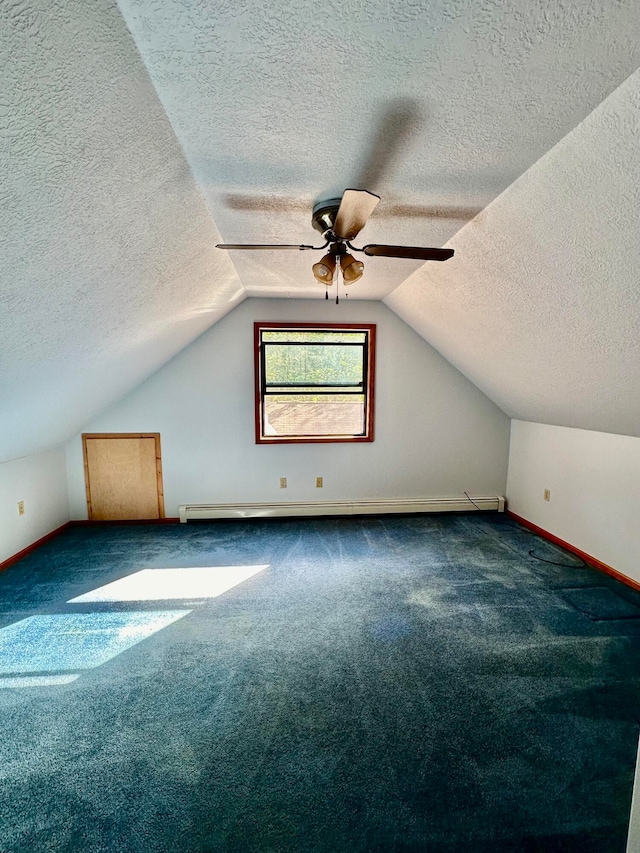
(384, 684)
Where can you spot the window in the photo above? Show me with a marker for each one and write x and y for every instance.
(314, 383)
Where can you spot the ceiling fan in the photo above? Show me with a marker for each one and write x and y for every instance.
(340, 220)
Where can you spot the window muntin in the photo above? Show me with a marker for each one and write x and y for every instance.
(314, 382)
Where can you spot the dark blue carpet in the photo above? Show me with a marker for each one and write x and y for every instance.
(385, 684)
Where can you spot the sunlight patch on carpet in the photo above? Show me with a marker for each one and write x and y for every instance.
(73, 641)
(172, 584)
(37, 680)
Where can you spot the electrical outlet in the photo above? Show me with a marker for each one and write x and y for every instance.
(20, 507)
(547, 494)
(283, 482)
(318, 482)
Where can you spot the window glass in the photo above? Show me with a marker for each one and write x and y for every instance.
(314, 383)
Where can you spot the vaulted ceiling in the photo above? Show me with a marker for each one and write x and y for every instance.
(134, 137)
(540, 306)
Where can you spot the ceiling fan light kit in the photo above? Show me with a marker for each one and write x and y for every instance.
(325, 269)
(340, 221)
(352, 269)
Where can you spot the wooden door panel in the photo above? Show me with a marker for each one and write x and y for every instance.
(123, 477)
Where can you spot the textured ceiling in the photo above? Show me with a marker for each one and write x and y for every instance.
(540, 307)
(296, 100)
(108, 266)
(135, 137)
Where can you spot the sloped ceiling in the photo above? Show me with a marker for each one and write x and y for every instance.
(108, 266)
(540, 306)
(135, 137)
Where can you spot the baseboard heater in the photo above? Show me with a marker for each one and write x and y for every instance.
(275, 510)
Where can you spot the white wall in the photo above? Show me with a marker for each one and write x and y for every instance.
(41, 482)
(435, 433)
(594, 478)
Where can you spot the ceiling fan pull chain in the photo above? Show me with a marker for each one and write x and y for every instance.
(326, 294)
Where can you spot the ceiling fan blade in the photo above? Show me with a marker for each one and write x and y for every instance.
(417, 252)
(355, 208)
(264, 246)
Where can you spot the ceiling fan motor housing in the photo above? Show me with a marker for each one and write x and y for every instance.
(324, 215)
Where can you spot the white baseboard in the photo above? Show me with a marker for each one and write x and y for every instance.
(314, 508)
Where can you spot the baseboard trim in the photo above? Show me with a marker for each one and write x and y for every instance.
(34, 546)
(84, 522)
(588, 559)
